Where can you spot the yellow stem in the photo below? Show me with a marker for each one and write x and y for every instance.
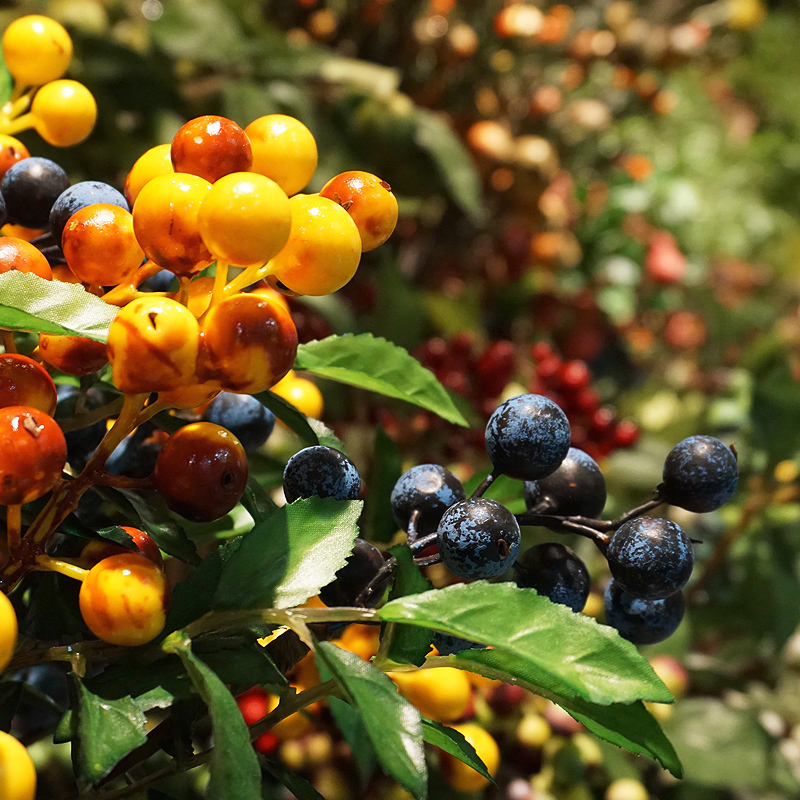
(8, 342)
(13, 527)
(18, 125)
(253, 273)
(182, 295)
(220, 279)
(123, 294)
(17, 103)
(48, 564)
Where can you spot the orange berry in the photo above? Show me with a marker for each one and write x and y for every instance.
(98, 549)
(191, 396)
(11, 151)
(211, 147)
(154, 162)
(441, 693)
(23, 382)
(17, 773)
(24, 257)
(74, 355)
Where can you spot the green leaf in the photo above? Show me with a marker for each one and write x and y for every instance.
(290, 557)
(289, 416)
(325, 436)
(258, 503)
(234, 764)
(572, 655)
(352, 727)
(379, 366)
(31, 303)
(394, 726)
(407, 645)
(107, 731)
(6, 83)
(453, 742)
(379, 523)
(296, 784)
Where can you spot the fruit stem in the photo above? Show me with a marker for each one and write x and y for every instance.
(412, 533)
(14, 528)
(90, 417)
(8, 342)
(47, 564)
(566, 525)
(123, 294)
(122, 481)
(220, 281)
(17, 103)
(250, 275)
(484, 485)
(14, 126)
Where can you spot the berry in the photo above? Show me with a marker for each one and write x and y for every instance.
(555, 572)
(627, 789)
(11, 151)
(136, 455)
(73, 355)
(461, 776)
(82, 442)
(201, 471)
(320, 471)
(17, 773)
(577, 488)
(478, 538)
(33, 452)
(441, 693)
(162, 281)
(97, 549)
(429, 489)
(8, 633)
(17, 254)
(23, 382)
(650, 557)
(249, 421)
(124, 600)
(85, 193)
(639, 620)
(191, 396)
(527, 437)
(362, 565)
(302, 393)
(30, 188)
(64, 112)
(36, 50)
(154, 162)
(447, 645)
(700, 474)
(211, 147)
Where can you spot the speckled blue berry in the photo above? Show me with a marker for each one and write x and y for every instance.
(527, 437)
(448, 645)
(478, 538)
(362, 565)
(30, 187)
(320, 471)
(700, 474)
(431, 490)
(577, 488)
(555, 572)
(247, 419)
(650, 557)
(85, 193)
(642, 621)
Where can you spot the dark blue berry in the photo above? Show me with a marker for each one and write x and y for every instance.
(82, 442)
(247, 419)
(30, 187)
(700, 474)
(478, 538)
(650, 557)
(79, 196)
(642, 621)
(320, 471)
(363, 565)
(3, 211)
(577, 488)
(527, 437)
(162, 281)
(555, 572)
(448, 645)
(136, 455)
(429, 489)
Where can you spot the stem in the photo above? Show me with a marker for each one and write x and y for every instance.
(8, 342)
(412, 533)
(14, 528)
(123, 294)
(90, 417)
(486, 483)
(18, 125)
(122, 481)
(566, 525)
(220, 280)
(253, 273)
(48, 564)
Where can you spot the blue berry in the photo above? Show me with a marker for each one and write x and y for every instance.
(321, 471)
(136, 455)
(162, 281)
(650, 557)
(527, 437)
(3, 211)
(448, 645)
(642, 621)
(82, 442)
(700, 474)
(431, 490)
(478, 538)
(72, 199)
(247, 419)
(577, 488)
(362, 566)
(555, 572)
(30, 187)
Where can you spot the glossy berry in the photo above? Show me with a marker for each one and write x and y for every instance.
(650, 557)
(201, 471)
(302, 393)
(555, 572)
(17, 254)
(190, 396)
(429, 489)
(73, 355)
(577, 488)
(527, 437)
(642, 621)
(124, 600)
(211, 147)
(64, 112)
(11, 151)
(462, 777)
(78, 196)
(478, 538)
(33, 452)
(362, 565)
(247, 419)
(36, 50)
(152, 163)
(8, 632)
(30, 188)
(23, 382)
(320, 471)
(17, 772)
(700, 474)
(447, 645)
(441, 693)
(254, 704)
(96, 550)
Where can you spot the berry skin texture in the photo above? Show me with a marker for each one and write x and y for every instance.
(320, 471)
(462, 777)
(441, 693)
(700, 474)
(650, 557)
(36, 50)
(152, 163)
(152, 345)
(73, 355)
(555, 572)
(323, 250)
(23, 382)
(211, 147)
(78, 196)
(98, 549)
(33, 452)
(65, 112)
(8, 632)
(577, 488)
(17, 254)
(124, 600)
(527, 437)
(30, 188)
(360, 568)
(642, 621)
(478, 538)
(201, 471)
(17, 773)
(429, 489)
(249, 421)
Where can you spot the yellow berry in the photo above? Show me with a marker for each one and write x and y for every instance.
(462, 777)
(36, 50)
(8, 632)
(17, 773)
(442, 693)
(65, 112)
(302, 393)
(154, 162)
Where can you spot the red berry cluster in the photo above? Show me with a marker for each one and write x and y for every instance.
(596, 428)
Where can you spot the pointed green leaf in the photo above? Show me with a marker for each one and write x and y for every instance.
(289, 416)
(387, 467)
(352, 728)
(282, 562)
(31, 303)
(296, 784)
(379, 366)
(453, 742)
(573, 655)
(394, 726)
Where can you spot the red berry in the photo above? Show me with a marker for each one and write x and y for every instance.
(626, 433)
(575, 375)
